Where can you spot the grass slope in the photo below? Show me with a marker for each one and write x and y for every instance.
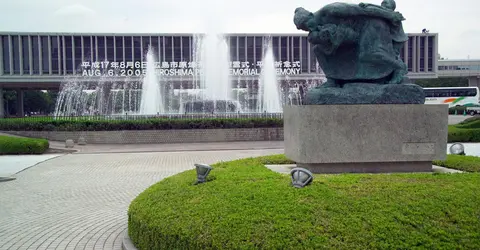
(247, 206)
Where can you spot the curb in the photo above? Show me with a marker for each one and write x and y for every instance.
(5, 179)
(60, 151)
(174, 150)
(127, 244)
(439, 169)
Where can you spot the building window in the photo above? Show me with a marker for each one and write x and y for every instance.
(168, 49)
(6, 55)
(186, 49)
(422, 54)
(410, 54)
(119, 48)
(276, 47)
(56, 58)
(250, 57)
(283, 49)
(242, 56)
(430, 53)
(304, 53)
(161, 47)
(295, 49)
(128, 49)
(110, 49)
(69, 64)
(177, 49)
(101, 49)
(233, 48)
(77, 40)
(258, 48)
(35, 55)
(145, 47)
(25, 55)
(87, 48)
(154, 45)
(44, 43)
(94, 56)
(16, 54)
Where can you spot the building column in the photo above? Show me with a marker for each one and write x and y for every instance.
(20, 112)
(2, 107)
(474, 81)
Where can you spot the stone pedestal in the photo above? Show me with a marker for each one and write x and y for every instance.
(366, 138)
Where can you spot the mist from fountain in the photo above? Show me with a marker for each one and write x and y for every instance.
(152, 101)
(269, 91)
(211, 54)
(214, 60)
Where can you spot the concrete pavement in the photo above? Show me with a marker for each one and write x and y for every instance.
(79, 201)
(455, 119)
(12, 164)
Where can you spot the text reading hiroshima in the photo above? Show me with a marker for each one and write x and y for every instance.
(236, 68)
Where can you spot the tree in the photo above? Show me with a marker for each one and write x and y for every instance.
(443, 82)
(10, 102)
(35, 101)
(52, 100)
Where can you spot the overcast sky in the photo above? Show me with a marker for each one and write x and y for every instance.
(457, 22)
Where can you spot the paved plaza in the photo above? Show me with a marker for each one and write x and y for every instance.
(80, 201)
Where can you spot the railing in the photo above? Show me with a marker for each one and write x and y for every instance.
(159, 116)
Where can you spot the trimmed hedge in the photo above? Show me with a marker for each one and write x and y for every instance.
(144, 124)
(244, 205)
(463, 135)
(10, 145)
(461, 162)
(466, 131)
(472, 122)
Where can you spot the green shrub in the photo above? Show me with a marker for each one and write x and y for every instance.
(457, 133)
(472, 122)
(17, 145)
(466, 131)
(144, 124)
(459, 110)
(244, 205)
(461, 162)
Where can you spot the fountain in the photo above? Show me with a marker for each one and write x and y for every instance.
(211, 91)
(268, 99)
(152, 98)
(214, 59)
(212, 56)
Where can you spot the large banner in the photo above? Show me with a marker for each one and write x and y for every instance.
(236, 68)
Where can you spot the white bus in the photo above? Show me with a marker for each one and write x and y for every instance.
(453, 96)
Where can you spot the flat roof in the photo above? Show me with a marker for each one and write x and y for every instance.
(458, 60)
(168, 34)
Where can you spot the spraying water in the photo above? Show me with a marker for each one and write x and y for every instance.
(214, 60)
(212, 55)
(152, 99)
(269, 91)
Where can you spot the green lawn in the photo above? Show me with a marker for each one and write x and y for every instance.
(460, 162)
(247, 206)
